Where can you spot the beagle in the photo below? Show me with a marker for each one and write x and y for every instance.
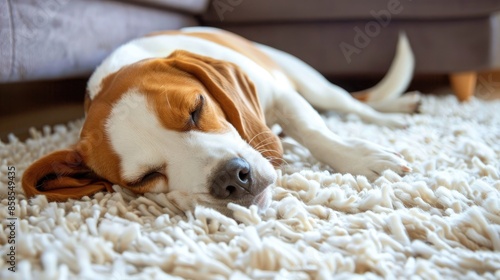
(188, 112)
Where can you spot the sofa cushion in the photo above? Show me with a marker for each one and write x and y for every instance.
(47, 39)
(242, 11)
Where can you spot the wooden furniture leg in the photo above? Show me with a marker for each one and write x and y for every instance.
(463, 84)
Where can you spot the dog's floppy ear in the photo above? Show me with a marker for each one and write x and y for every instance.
(236, 94)
(62, 175)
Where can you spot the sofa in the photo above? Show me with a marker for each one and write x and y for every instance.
(54, 39)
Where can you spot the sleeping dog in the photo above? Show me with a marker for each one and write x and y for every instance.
(188, 112)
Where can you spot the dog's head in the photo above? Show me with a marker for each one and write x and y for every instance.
(185, 125)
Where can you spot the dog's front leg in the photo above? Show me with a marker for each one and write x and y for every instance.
(303, 123)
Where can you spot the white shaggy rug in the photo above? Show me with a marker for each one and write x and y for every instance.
(440, 222)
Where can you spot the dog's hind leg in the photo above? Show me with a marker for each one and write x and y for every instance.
(324, 95)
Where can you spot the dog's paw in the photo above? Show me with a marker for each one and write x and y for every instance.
(410, 102)
(370, 160)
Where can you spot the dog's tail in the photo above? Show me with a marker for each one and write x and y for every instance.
(398, 77)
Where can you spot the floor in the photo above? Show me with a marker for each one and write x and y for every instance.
(48, 103)
(36, 104)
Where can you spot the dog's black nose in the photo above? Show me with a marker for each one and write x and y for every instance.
(232, 180)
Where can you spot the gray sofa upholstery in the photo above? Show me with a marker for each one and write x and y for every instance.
(54, 39)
